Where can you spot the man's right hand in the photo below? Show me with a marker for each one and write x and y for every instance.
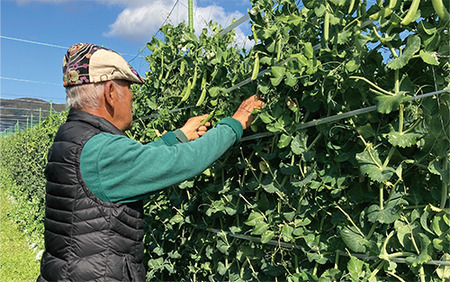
(193, 128)
(244, 112)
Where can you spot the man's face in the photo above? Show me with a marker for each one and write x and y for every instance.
(124, 109)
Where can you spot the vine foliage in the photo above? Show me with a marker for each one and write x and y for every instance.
(364, 198)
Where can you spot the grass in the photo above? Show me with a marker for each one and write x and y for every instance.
(18, 261)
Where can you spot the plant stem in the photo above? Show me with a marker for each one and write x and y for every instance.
(413, 126)
(444, 192)
(372, 229)
(374, 273)
(389, 156)
(336, 261)
(395, 275)
(315, 269)
(381, 191)
(397, 81)
(400, 122)
(350, 219)
(372, 84)
(314, 142)
(422, 274)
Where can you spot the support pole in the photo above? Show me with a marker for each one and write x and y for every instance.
(191, 15)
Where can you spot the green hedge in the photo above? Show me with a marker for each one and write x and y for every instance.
(22, 164)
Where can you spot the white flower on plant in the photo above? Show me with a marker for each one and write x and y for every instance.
(210, 55)
(435, 55)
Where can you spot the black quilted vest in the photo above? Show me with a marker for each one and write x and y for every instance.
(86, 239)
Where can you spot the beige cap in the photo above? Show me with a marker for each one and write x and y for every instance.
(88, 63)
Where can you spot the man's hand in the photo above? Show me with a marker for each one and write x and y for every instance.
(244, 113)
(193, 128)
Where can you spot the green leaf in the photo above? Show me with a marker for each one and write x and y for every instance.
(442, 243)
(301, 59)
(330, 274)
(439, 225)
(291, 80)
(286, 233)
(388, 103)
(426, 251)
(288, 169)
(412, 46)
(443, 271)
(352, 65)
(176, 219)
(269, 186)
(366, 131)
(214, 91)
(424, 220)
(277, 75)
(308, 51)
(221, 269)
(284, 141)
(403, 232)
(267, 236)
(427, 28)
(298, 144)
(254, 218)
(372, 166)
(320, 11)
(390, 212)
(259, 228)
(289, 216)
(353, 240)
(265, 117)
(429, 58)
(355, 268)
(435, 167)
(403, 139)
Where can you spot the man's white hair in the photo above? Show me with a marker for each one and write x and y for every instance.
(87, 96)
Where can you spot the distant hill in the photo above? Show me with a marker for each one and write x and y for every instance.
(13, 110)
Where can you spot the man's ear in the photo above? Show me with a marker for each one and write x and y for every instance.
(109, 93)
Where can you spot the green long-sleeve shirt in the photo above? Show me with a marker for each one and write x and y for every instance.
(118, 169)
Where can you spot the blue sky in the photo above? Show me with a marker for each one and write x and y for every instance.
(35, 35)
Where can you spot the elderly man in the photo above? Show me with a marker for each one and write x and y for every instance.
(97, 177)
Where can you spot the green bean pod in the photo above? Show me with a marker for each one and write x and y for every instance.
(254, 34)
(182, 67)
(326, 26)
(186, 91)
(392, 4)
(351, 6)
(203, 80)
(440, 9)
(162, 66)
(411, 12)
(202, 98)
(207, 118)
(279, 49)
(255, 67)
(194, 78)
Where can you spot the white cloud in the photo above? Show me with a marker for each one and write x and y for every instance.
(140, 20)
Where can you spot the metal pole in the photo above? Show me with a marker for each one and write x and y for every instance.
(191, 15)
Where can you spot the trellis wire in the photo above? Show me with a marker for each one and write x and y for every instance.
(294, 246)
(235, 24)
(339, 116)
